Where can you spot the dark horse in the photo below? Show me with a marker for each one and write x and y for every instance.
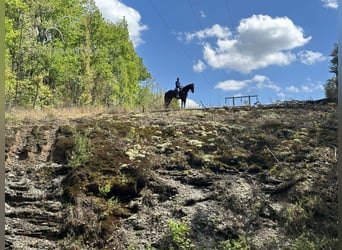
(183, 94)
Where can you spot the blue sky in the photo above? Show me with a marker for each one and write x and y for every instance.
(278, 50)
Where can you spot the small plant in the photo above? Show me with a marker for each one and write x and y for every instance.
(104, 190)
(234, 244)
(303, 242)
(81, 150)
(296, 218)
(179, 232)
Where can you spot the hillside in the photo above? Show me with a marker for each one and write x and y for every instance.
(252, 178)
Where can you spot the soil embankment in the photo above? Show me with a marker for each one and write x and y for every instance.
(191, 179)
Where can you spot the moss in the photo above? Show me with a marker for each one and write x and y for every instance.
(235, 157)
(195, 143)
(136, 153)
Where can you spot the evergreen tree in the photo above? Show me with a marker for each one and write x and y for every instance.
(331, 86)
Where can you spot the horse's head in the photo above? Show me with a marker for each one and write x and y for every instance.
(192, 87)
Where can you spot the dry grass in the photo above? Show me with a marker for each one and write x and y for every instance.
(52, 113)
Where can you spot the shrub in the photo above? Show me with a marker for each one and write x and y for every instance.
(179, 232)
(235, 244)
(81, 151)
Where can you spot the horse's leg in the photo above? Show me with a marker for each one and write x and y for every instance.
(167, 101)
(183, 103)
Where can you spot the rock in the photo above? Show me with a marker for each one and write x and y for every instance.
(33, 207)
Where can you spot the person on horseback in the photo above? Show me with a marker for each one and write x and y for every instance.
(178, 88)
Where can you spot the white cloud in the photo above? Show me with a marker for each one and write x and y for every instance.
(191, 104)
(263, 82)
(306, 88)
(199, 66)
(310, 57)
(260, 41)
(292, 89)
(215, 31)
(260, 78)
(232, 85)
(330, 4)
(203, 15)
(114, 10)
(312, 87)
(257, 82)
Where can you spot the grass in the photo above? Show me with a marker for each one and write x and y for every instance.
(51, 113)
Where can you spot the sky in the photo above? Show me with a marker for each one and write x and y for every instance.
(277, 50)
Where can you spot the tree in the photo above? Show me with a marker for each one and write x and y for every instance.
(331, 86)
(63, 52)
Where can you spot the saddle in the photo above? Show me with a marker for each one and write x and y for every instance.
(178, 93)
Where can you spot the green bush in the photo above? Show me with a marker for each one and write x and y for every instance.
(81, 151)
(234, 244)
(179, 232)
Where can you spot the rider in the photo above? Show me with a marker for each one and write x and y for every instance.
(178, 87)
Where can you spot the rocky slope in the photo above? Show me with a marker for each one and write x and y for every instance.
(254, 178)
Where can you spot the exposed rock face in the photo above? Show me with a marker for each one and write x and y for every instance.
(33, 188)
(191, 179)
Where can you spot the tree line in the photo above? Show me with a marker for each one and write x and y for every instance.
(63, 52)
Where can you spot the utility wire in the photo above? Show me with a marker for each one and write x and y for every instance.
(233, 25)
(178, 43)
(201, 27)
(169, 28)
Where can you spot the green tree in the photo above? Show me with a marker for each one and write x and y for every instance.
(150, 95)
(331, 86)
(16, 44)
(63, 52)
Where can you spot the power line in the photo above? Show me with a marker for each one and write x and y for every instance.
(233, 25)
(177, 42)
(170, 30)
(202, 28)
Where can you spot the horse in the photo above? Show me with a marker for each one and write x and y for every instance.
(183, 94)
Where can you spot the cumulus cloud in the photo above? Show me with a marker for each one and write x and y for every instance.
(191, 104)
(310, 57)
(260, 41)
(199, 66)
(330, 4)
(262, 83)
(232, 85)
(311, 87)
(216, 30)
(257, 82)
(306, 88)
(114, 10)
(292, 89)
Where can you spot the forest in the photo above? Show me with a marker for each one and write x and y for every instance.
(63, 53)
